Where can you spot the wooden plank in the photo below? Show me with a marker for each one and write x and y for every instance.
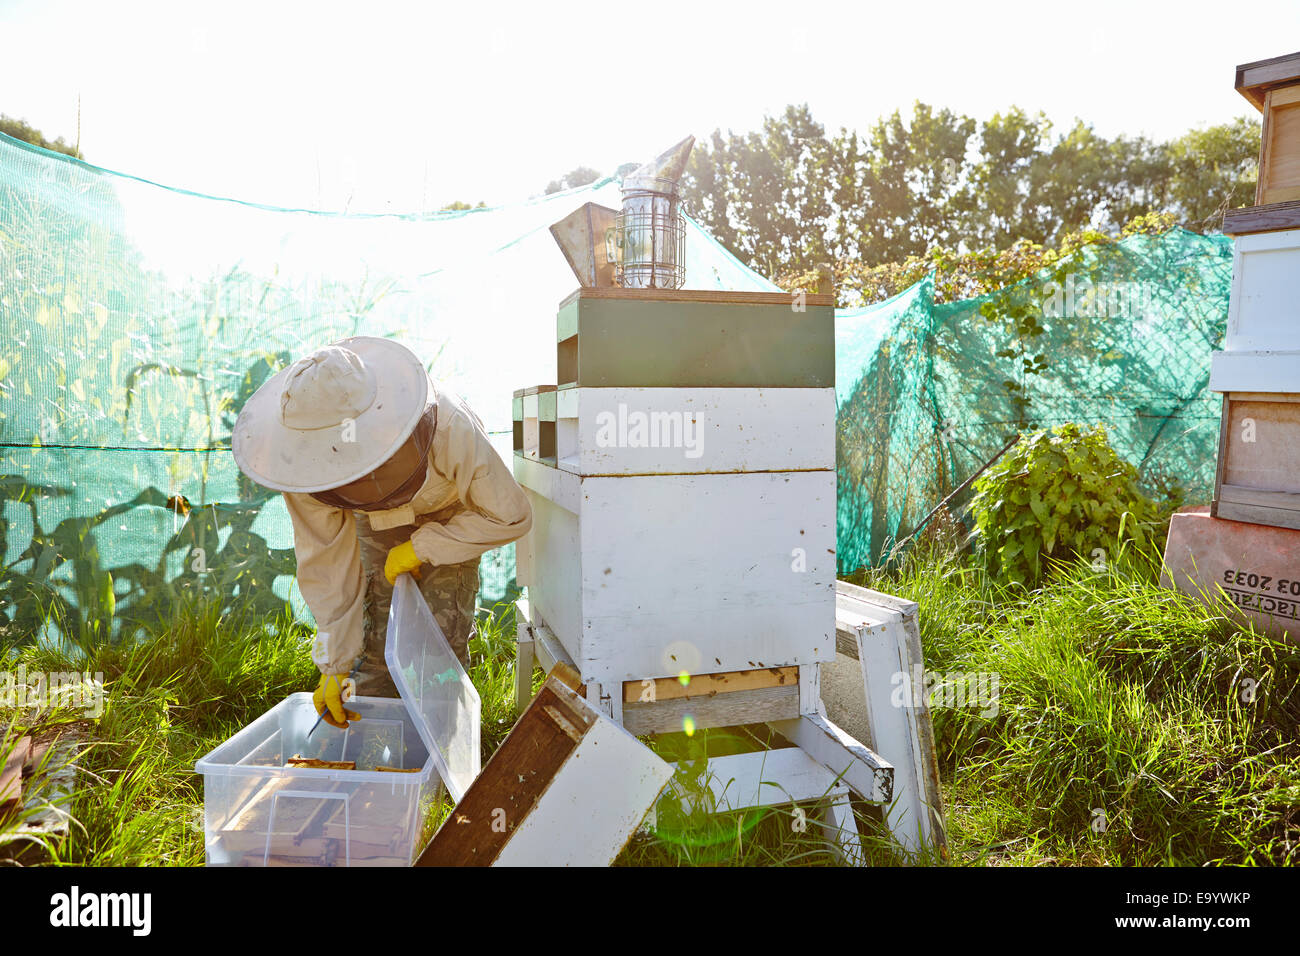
(810, 690)
(1261, 182)
(552, 656)
(1253, 80)
(511, 784)
(1222, 455)
(53, 754)
(1287, 500)
(1279, 171)
(566, 726)
(315, 763)
(717, 296)
(1267, 396)
(593, 804)
(1270, 217)
(888, 637)
(699, 685)
(732, 709)
(11, 773)
(1253, 370)
(525, 661)
(866, 772)
(840, 828)
(1257, 514)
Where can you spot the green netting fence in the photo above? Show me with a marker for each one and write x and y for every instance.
(135, 319)
(1118, 334)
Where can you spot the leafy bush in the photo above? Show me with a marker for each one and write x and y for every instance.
(1057, 494)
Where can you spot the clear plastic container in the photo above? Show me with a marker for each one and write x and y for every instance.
(258, 812)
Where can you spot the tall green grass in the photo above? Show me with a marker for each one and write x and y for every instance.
(1134, 726)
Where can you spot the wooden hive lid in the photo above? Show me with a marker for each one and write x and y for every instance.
(1256, 79)
(698, 295)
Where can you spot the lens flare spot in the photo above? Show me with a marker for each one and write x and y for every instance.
(683, 678)
(688, 725)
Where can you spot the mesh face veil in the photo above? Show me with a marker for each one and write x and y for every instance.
(355, 497)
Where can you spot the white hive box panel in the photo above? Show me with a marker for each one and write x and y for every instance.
(695, 573)
(1265, 293)
(628, 431)
(682, 483)
(1261, 350)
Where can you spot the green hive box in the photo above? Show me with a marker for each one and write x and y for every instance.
(625, 337)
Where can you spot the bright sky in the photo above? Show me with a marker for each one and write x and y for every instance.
(380, 106)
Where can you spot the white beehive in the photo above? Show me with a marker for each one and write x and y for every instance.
(682, 478)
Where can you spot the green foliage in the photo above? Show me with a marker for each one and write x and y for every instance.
(790, 196)
(1135, 726)
(25, 132)
(580, 176)
(1054, 495)
(1115, 695)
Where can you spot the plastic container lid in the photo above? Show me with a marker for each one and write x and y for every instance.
(434, 686)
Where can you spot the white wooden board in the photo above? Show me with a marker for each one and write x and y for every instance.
(888, 648)
(1265, 293)
(651, 575)
(767, 778)
(1255, 372)
(594, 802)
(625, 431)
(705, 573)
(553, 567)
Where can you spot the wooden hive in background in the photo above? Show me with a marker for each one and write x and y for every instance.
(1258, 369)
(1273, 87)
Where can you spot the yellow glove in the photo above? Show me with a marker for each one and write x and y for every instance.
(401, 558)
(328, 699)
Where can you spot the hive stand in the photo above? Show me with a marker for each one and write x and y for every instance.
(682, 553)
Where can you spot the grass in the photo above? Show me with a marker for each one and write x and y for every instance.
(1133, 727)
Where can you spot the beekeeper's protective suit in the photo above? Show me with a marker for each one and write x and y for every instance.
(382, 471)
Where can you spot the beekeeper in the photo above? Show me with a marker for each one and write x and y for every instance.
(383, 471)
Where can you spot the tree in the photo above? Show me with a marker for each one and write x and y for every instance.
(1213, 170)
(21, 130)
(581, 176)
(764, 194)
(787, 196)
